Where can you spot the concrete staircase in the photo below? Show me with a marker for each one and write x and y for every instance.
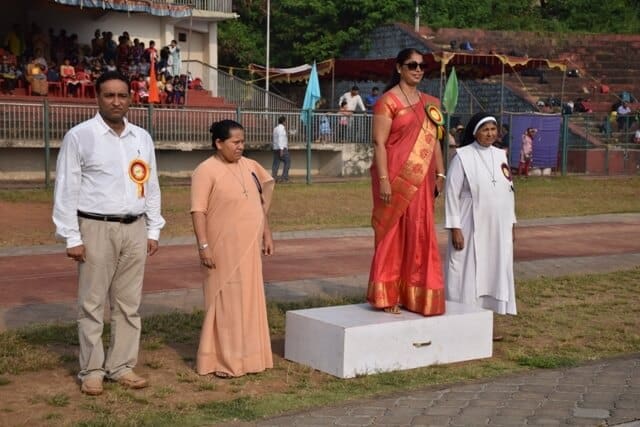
(607, 58)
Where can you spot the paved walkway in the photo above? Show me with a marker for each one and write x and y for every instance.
(37, 284)
(600, 394)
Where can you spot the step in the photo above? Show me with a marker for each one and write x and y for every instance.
(353, 340)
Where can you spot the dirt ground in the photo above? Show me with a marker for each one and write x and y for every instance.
(53, 397)
(26, 224)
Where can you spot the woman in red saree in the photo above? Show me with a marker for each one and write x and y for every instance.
(407, 169)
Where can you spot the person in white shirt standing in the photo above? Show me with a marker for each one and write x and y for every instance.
(353, 100)
(280, 148)
(107, 208)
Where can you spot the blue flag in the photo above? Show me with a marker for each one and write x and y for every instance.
(312, 95)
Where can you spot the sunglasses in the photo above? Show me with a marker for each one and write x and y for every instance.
(414, 65)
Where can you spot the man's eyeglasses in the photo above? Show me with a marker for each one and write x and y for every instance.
(414, 65)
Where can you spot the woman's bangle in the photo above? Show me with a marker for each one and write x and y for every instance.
(383, 177)
(203, 246)
(441, 175)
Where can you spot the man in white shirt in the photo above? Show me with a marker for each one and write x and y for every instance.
(353, 99)
(280, 148)
(624, 115)
(107, 208)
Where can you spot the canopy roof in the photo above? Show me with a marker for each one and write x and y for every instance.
(468, 66)
(145, 6)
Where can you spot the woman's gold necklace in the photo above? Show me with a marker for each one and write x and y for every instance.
(240, 179)
(411, 105)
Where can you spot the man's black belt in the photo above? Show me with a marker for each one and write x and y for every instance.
(124, 219)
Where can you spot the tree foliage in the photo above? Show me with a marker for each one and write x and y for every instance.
(307, 30)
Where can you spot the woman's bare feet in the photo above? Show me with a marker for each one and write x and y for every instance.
(393, 309)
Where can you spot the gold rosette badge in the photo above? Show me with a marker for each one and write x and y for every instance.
(139, 173)
(434, 114)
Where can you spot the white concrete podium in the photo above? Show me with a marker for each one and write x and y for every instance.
(351, 340)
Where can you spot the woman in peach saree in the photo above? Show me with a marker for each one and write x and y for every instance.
(230, 198)
(406, 269)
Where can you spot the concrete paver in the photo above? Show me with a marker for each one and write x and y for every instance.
(508, 410)
(37, 285)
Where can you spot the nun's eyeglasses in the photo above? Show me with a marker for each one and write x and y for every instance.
(414, 65)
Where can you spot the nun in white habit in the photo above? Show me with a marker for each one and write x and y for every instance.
(480, 216)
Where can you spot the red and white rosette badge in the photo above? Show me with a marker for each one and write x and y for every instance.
(506, 171)
(139, 173)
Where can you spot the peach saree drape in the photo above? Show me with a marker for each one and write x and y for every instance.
(406, 269)
(235, 333)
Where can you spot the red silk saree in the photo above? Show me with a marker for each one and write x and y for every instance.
(406, 269)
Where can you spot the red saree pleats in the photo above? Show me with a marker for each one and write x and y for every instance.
(406, 268)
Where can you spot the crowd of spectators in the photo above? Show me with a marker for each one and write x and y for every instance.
(43, 61)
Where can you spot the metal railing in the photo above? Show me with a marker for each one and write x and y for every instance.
(597, 146)
(208, 5)
(236, 91)
(38, 124)
(584, 145)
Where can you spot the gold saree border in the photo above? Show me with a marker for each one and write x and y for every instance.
(415, 298)
(405, 185)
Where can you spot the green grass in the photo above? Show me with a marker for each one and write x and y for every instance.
(562, 322)
(348, 204)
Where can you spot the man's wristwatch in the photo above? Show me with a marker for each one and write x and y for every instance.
(203, 246)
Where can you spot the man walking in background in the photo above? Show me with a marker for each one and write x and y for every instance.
(353, 100)
(107, 208)
(280, 148)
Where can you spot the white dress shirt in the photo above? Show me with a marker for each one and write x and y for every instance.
(92, 175)
(353, 102)
(280, 141)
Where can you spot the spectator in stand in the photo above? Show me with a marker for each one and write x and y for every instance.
(133, 68)
(353, 100)
(526, 151)
(142, 90)
(111, 65)
(624, 116)
(174, 58)
(137, 50)
(96, 69)
(344, 121)
(604, 88)
(9, 76)
(36, 77)
(68, 75)
(370, 100)
(123, 53)
(97, 44)
(636, 136)
(169, 93)
(179, 85)
(150, 53)
(580, 107)
(162, 66)
(125, 34)
(52, 73)
(72, 49)
(466, 45)
(110, 49)
(144, 67)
